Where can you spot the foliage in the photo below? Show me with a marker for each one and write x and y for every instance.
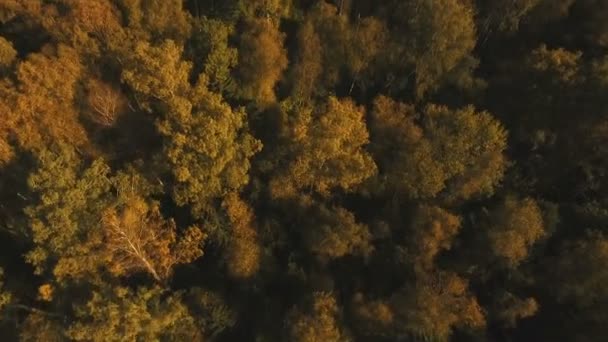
(281, 170)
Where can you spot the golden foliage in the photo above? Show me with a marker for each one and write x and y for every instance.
(433, 230)
(317, 322)
(436, 304)
(329, 151)
(516, 226)
(373, 317)
(244, 251)
(262, 60)
(45, 292)
(513, 308)
(44, 108)
(138, 238)
(7, 53)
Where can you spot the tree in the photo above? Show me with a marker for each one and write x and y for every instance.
(577, 275)
(434, 305)
(207, 145)
(432, 231)
(156, 18)
(122, 314)
(105, 101)
(456, 154)
(514, 227)
(318, 321)
(87, 221)
(40, 327)
(512, 308)
(5, 296)
(469, 146)
(7, 53)
(403, 155)
(308, 66)
(262, 60)
(328, 150)
(157, 72)
(373, 317)
(43, 109)
(505, 15)
(333, 232)
(207, 148)
(435, 39)
(138, 238)
(71, 196)
(213, 55)
(244, 250)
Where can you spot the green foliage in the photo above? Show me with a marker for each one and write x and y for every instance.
(211, 49)
(71, 197)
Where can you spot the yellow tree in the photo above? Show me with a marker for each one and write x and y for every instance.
(123, 314)
(244, 250)
(328, 149)
(44, 107)
(7, 53)
(318, 321)
(262, 60)
(432, 231)
(332, 232)
(435, 305)
(207, 145)
(514, 228)
(137, 238)
(86, 221)
(457, 154)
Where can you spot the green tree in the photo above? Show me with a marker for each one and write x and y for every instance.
(71, 196)
(213, 54)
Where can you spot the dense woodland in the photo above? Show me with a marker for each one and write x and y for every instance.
(304, 170)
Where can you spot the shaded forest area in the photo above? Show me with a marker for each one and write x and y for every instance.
(304, 170)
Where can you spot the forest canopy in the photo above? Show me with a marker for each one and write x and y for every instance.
(303, 170)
